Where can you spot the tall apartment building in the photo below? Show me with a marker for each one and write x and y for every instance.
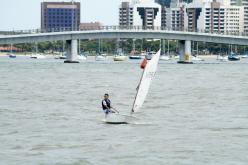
(60, 15)
(164, 3)
(173, 13)
(243, 3)
(170, 3)
(175, 17)
(145, 13)
(214, 17)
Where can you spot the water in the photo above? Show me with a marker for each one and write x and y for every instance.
(50, 114)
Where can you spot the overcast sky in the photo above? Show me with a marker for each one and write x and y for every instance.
(25, 14)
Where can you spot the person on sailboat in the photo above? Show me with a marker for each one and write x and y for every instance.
(106, 105)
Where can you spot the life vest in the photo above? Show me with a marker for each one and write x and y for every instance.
(108, 102)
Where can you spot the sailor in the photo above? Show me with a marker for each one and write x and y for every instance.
(106, 105)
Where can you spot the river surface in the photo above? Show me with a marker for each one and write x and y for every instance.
(50, 113)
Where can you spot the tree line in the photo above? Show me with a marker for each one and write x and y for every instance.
(110, 46)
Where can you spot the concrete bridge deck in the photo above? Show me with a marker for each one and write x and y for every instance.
(132, 33)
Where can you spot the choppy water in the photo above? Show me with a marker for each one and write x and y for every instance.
(50, 114)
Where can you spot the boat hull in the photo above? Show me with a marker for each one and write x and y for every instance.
(164, 58)
(244, 56)
(222, 58)
(120, 58)
(195, 58)
(100, 58)
(82, 58)
(113, 118)
(233, 58)
(12, 56)
(38, 57)
(135, 57)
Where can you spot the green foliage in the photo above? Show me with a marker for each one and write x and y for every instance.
(110, 46)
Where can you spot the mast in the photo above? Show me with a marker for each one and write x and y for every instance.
(99, 46)
(137, 89)
(142, 42)
(11, 48)
(134, 45)
(117, 46)
(197, 48)
(163, 46)
(63, 47)
(36, 47)
(79, 47)
(145, 82)
(168, 50)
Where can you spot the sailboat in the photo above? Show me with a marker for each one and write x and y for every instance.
(36, 55)
(165, 57)
(120, 57)
(143, 88)
(100, 56)
(81, 55)
(221, 57)
(134, 54)
(233, 57)
(11, 55)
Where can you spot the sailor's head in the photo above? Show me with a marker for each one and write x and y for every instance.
(106, 96)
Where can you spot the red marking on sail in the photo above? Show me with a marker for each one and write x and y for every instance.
(143, 64)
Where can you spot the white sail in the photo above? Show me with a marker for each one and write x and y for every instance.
(146, 79)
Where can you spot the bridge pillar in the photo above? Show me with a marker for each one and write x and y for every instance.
(72, 51)
(185, 52)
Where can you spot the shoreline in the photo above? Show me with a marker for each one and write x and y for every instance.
(56, 55)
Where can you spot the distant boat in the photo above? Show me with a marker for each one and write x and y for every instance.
(101, 57)
(164, 58)
(12, 56)
(38, 56)
(233, 57)
(195, 58)
(222, 58)
(176, 56)
(62, 57)
(82, 57)
(135, 57)
(244, 56)
(120, 57)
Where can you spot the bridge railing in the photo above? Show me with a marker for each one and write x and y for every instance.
(131, 28)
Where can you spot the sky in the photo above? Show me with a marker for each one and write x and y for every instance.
(25, 14)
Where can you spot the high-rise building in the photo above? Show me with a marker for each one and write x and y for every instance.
(56, 16)
(215, 16)
(173, 16)
(90, 26)
(170, 3)
(165, 3)
(173, 13)
(145, 13)
(243, 3)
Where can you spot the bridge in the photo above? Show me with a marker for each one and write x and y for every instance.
(135, 32)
